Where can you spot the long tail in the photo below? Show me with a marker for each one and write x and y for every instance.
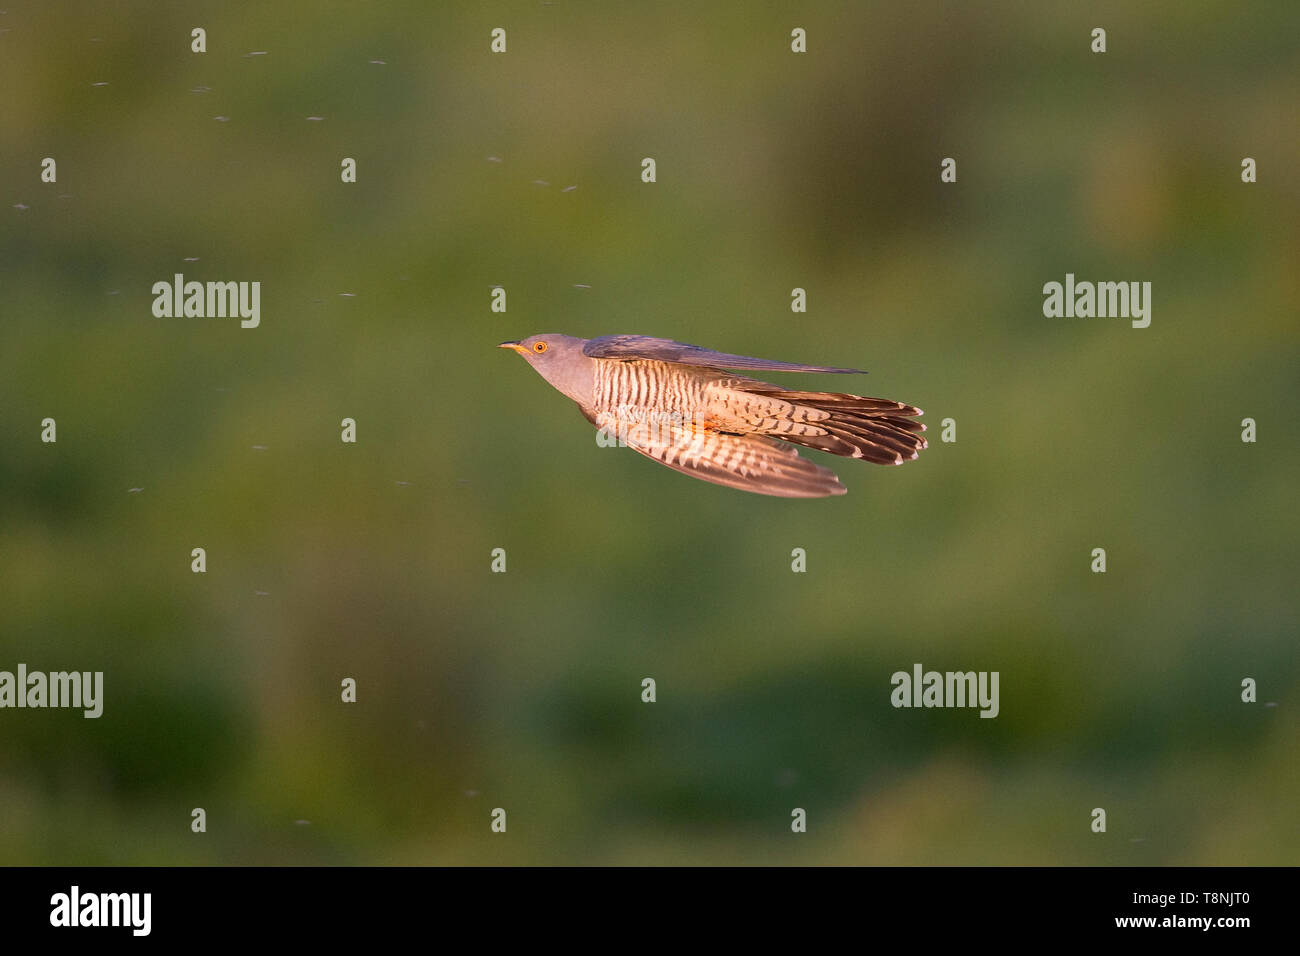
(873, 429)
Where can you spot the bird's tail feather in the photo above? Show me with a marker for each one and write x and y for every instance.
(874, 429)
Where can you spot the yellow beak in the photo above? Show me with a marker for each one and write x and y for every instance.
(512, 345)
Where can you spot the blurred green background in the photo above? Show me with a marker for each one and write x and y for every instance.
(522, 690)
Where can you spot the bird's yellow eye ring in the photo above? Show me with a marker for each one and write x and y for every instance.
(539, 347)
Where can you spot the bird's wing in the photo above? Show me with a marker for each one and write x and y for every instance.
(627, 347)
(748, 462)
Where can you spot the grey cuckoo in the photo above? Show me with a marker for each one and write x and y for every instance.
(685, 407)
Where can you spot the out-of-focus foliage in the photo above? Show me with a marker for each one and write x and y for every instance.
(522, 690)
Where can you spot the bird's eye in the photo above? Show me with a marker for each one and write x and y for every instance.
(539, 347)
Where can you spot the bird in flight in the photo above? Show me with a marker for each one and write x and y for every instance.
(686, 407)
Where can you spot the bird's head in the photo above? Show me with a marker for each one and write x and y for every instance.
(546, 350)
(559, 360)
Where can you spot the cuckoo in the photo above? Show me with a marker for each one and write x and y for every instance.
(688, 408)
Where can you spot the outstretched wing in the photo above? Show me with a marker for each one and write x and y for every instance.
(627, 347)
(748, 462)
